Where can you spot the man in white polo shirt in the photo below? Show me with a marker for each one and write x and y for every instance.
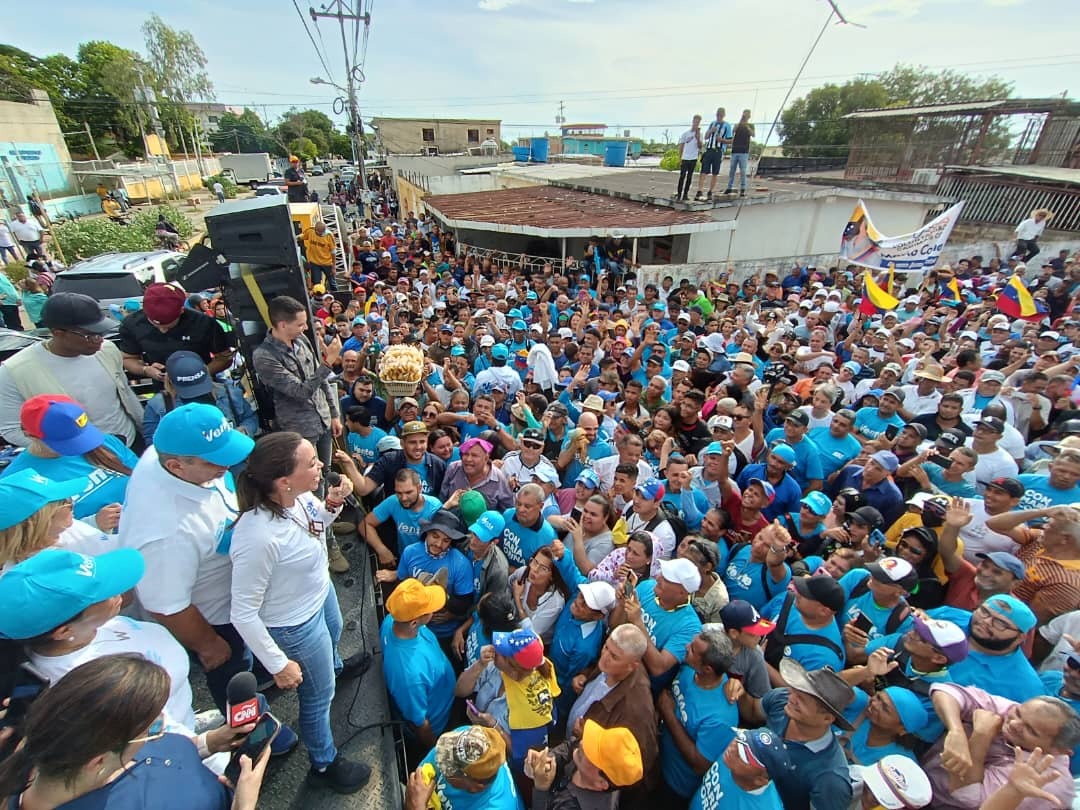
(180, 508)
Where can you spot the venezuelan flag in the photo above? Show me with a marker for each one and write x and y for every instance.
(1016, 302)
(949, 292)
(875, 300)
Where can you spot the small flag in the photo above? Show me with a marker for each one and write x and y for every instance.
(875, 300)
(1016, 302)
(949, 291)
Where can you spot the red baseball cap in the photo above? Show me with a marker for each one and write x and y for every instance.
(163, 302)
(61, 423)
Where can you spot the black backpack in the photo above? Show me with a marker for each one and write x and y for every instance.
(779, 640)
(898, 615)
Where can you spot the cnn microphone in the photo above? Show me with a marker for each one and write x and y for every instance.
(242, 700)
(333, 479)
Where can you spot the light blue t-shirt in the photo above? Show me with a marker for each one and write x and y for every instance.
(855, 743)
(500, 794)
(718, 790)
(104, 486)
(597, 450)
(813, 656)
(807, 457)
(1038, 494)
(407, 520)
(1053, 681)
(418, 676)
(365, 446)
(751, 580)
(519, 542)
(416, 560)
(670, 630)
(835, 453)
(954, 489)
(864, 603)
(871, 425)
(708, 718)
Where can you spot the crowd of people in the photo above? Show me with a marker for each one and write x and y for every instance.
(688, 544)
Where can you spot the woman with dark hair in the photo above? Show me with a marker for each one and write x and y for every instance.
(98, 733)
(540, 592)
(635, 556)
(282, 603)
(919, 546)
(441, 443)
(494, 613)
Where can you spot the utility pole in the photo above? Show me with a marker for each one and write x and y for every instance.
(93, 145)
(561, 117)
(339, 11)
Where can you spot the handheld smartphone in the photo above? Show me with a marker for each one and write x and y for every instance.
(863, 622)
(22, 690)
(891, 432)
(942, 461)
(629, 583)
(470, 707)
(266, 729)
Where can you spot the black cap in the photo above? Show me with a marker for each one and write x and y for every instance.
(868, 515)
(951, 438)
(68, 310)
(824, 589)
(1010, 486)
(532, 434)
(446, 522)
(800, 417)
(992, 423)
(1069, 427)
(920, 429)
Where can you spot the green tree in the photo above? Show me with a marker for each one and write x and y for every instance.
(243, 133)
(341, 144)
(111, 103)
(814, 126)
(178, 69)
(311, 124)
(304, 148)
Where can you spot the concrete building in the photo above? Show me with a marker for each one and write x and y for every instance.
(33, 154)
(593, 139)
(435, 136)
(209, 115)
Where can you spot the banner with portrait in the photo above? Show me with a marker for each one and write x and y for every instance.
(915, 252)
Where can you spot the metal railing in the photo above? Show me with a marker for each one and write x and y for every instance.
(996, 201)
(515, 259)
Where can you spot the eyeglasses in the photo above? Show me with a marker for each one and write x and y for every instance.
(431, 414)
(740, 416)
(89, 337)
(996, 621)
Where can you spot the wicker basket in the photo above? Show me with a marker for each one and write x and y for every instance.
(400, 388)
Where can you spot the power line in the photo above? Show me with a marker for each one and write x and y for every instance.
(307, 31)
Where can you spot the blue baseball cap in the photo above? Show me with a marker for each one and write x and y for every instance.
(766, 749)
(189, 375)
(500, 352)
(713, 449)
(61, 423)
(531, 295)
(852, 366)
(818, 503)
(653, 489)
(1008, 607)
(457, 351)
(54, 586)
(767, 488)
(514, 314)
(785, 452)
(522, 645)
(1006, 562)
(607, 396)
(887, 459)
(588, 478)
(488, 526)
(23, 493)
(358, 320)
(912, 713)
(876, 393)
(201, 430)
(519, 325)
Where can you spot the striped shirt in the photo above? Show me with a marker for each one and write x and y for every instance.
(1051, 587)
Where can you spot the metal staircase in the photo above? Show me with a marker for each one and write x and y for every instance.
(335, 224)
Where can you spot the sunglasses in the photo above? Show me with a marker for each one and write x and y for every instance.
(533, 445)
(89, 337)
(431, 414)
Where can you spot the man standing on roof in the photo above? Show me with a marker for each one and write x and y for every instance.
(295, 181)
(716, 136)
(689, 149)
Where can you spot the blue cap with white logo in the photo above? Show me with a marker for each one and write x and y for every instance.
(201, 430)
(23, 493)
(54, 586)
(488, 526)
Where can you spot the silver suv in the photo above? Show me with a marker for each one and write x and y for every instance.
(113, 278)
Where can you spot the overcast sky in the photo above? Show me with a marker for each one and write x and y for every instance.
(645, 66)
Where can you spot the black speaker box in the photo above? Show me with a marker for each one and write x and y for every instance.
(256, 231)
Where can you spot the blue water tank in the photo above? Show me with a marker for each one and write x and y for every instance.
(521, 153)
(615, 153)
(539, 150)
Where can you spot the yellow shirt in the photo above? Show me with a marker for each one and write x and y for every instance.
(320, 249)
(530, 702)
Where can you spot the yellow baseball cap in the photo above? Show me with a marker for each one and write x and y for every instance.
(412, 599)
(615, 751)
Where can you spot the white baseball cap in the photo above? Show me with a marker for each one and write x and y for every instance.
(897, 782)
(681, 571)
(598, 595)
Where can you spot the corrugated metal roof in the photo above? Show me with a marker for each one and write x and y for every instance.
(546, 210)
(1010, 105)
(1054, 174)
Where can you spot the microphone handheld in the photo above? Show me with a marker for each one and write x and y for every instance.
(333, 479)
(242, 706)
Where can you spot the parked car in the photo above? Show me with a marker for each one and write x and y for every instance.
(267, 191)
(113, 278)
(316, 171)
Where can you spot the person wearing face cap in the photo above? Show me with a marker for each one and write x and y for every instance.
(578, 635)
(741, 778)
(884, 723)
(148, 338)
(806, 628)
(587, 774)
(466, 770)
(803, 714)
(77, 361)
(894, 782)
(874, 481)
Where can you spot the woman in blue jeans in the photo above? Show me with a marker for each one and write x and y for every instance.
(282, 602)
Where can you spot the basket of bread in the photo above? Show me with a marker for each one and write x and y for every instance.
(400, 370)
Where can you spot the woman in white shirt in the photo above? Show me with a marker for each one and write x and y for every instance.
(282, 602)
(540, 593)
